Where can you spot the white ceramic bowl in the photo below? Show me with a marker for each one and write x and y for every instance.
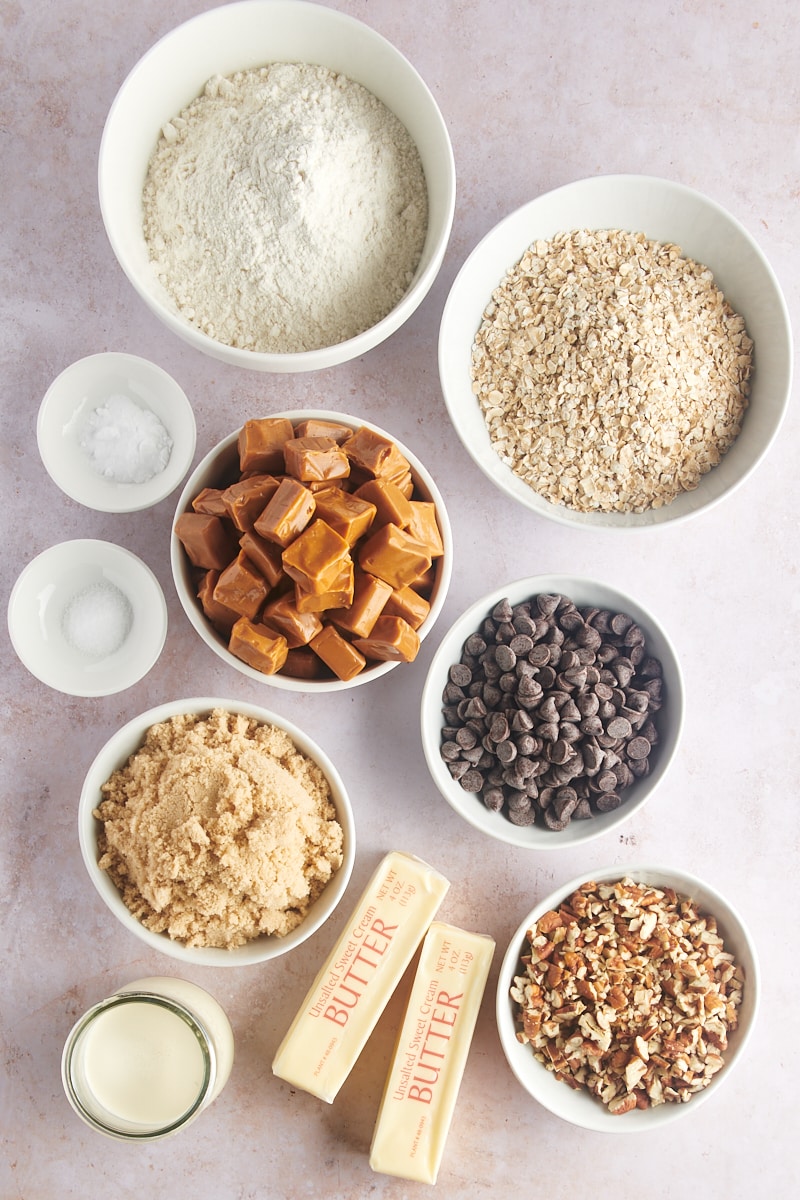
(669, 719)
(75, 395)
(115, 754)
(221, 462)
(236, 37)
(664, 211)
(39, 626)
(579, 1108)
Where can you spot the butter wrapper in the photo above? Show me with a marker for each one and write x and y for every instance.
(431, 1053)
(358, 977)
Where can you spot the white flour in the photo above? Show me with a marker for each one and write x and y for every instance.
(285, 209)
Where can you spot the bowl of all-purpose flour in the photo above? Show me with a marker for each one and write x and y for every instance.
(278, 184)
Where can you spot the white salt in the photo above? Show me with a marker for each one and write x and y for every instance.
(98, 619)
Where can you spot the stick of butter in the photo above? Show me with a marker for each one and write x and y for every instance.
(359, 975)
(431, 1053)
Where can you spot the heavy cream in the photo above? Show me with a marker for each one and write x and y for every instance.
(431, 1053)
(143, 1063)
(359, 975)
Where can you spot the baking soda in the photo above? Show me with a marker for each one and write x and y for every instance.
(125, 442)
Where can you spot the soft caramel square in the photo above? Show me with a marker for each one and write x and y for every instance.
(408, 604)
(261, 443)
(314, 559)
(392, 640)
(320, 427)
(349, 515)
(241, 587)
(258, 646)
(338, 654)
(390, 504)
(394, 556)
(369, 597)
(210, 502)
(338, 595)
(284, 616)
(245, 500)
(313, 459)
(266, 556)
(424, 526)
(207, 540)
(220, 616)
(375, 455)
(287, 514)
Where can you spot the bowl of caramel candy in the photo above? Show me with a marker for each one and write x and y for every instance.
(311, 551)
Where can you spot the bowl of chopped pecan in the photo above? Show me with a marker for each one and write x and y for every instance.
(552, 711)
(625, 999)
(617, 353)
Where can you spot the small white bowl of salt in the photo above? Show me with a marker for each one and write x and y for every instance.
(116, 432)
(87, 617)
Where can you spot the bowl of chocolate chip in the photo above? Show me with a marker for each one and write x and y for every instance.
(551, 711)
(311, 551)
(277, 182)
(617, 354)
(625, 998)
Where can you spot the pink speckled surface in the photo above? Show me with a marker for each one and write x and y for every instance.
(535, 95)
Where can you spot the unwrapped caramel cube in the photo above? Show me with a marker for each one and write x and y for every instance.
(349, 515)
(376, 455)
(246, 500)
(258, 646)
(220, 616)
(287, 514)
(392, 640)
(339, 594)
(391, 505)
(423, 525)
(284, 616)
(210, 502)
(315, 459)
(394, 556)
(321, 427)
(338, 654)
(315, 558)
(261, 443)
(266, 556)
(207, 540)
(241, 587)
(407, 603)
(369, 597)
(303, 663)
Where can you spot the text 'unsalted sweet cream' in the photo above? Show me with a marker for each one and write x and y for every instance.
(431, 1052)
(359, 975)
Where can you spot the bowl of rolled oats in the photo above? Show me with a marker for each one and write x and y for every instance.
(617, 353)
(552, 711)
(625, 998)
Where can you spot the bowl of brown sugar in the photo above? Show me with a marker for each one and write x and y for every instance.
(616, 354)
(216, 832)
(278, 184)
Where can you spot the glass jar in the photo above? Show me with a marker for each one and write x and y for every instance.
(143, 1063)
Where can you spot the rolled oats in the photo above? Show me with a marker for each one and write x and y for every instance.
(628, 993)
(610, 370)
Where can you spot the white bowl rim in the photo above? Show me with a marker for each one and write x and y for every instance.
(496, 825)
(260, 949)
(288, 682)
(106, 555)
(368, 339)
(104, 495)
(711, 902)
(502, 476)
